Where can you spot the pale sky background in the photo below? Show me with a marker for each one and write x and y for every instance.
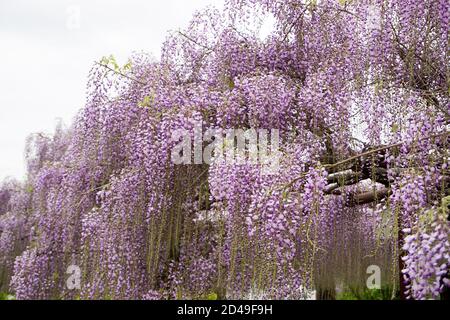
(45, 57)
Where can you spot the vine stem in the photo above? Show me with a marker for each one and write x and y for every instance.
(120, 73)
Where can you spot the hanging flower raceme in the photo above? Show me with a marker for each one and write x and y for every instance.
(427, 257)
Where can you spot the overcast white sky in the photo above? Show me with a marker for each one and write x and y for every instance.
(45, 56)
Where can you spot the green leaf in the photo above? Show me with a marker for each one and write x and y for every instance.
(378, 86)
(146, 102)
(230, 83)
(127, 66)
(104, 60)
(112, 60)
(395, 128)
(6, 296)
(212, 296)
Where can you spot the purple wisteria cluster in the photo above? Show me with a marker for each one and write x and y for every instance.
(427, 259)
